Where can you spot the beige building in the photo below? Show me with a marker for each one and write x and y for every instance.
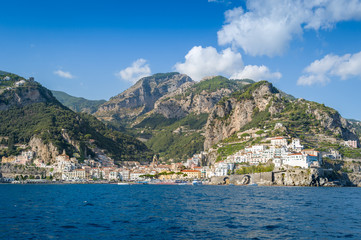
(192, 174)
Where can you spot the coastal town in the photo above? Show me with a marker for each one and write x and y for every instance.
(277, 153)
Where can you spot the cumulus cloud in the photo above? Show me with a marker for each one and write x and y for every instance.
(202, 62)
(320, 71)
(256, 73)
(63, 74)
(137, 70)
(267, 27)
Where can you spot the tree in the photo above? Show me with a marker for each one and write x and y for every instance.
(11, 144)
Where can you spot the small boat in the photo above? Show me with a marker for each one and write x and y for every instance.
(123, 183)
(180, 182)
(142, 182)
(197, 182)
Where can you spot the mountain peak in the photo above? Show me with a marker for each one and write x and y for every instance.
(140, 98)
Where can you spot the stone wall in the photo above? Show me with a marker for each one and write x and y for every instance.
(265, 178)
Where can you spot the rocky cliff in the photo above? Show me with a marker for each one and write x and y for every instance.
(44, 151)
(141, 97)
(263, 106)
(230, 115)
(20, 96)
(197, 98)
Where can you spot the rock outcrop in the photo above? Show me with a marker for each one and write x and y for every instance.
(231, 115)
(198, 98)
(141, 97)
(44, 151)
(180, 106)
(21, 96)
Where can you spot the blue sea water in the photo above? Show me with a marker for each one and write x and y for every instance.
(178, 212)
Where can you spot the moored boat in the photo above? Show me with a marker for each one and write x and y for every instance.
(123, 183)
(197, 182)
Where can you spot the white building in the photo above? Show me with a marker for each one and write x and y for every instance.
(295, 145)
(279, 141)
(115, 175)
(20, 83)
(78, 174)
(222, 168)
(256, 148)
(135, 176)
(300, 160)
(125, 175)
(351, 143)
(277, 161)
(28, 154)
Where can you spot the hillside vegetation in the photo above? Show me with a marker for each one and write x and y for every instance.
(78, 104)
(37, 113)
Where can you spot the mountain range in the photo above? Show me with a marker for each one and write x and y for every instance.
(177, 117)
(171, 115)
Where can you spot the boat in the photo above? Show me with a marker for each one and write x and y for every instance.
(142, 182)
(123, 183)
(197, 182)
(180, 182)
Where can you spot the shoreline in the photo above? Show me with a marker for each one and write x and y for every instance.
(171, 184)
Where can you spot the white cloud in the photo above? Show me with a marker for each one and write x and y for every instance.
(256, 73)
(267, 27)
(320, 71)
(136, 71)
(202, 62)
(63, 74)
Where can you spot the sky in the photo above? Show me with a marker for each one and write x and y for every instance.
(97, 49)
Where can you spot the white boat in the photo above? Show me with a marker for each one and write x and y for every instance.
(181, 182)
(123, 183)
(197, 182)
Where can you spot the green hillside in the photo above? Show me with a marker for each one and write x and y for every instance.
(40, 114)
(173, 138)
(77, 104)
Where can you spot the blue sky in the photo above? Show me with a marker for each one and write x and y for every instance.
(97, 49)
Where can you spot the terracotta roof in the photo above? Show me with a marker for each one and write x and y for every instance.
(190, 171)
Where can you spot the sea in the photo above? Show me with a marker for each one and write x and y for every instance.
(106, 211)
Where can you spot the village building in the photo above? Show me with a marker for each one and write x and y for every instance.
(192, 174)
(351, 143)
(278, 141)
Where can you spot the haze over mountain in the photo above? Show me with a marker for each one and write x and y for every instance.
(77, 104)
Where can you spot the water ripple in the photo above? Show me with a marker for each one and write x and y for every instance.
(178, 212)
